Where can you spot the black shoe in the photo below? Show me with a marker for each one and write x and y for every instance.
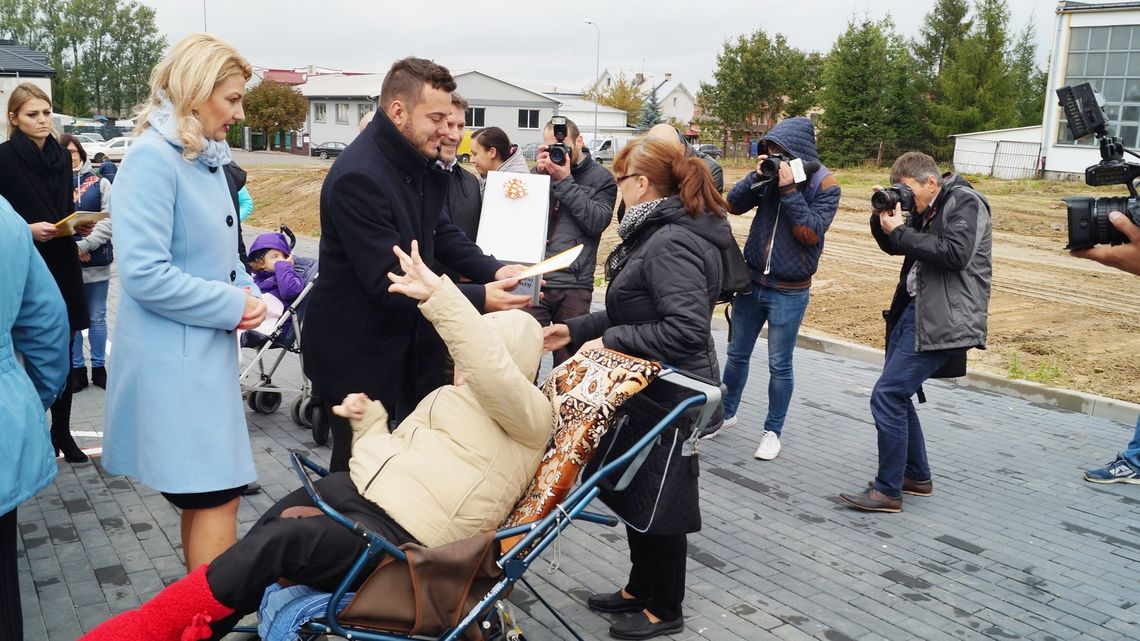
(78, 379)
(638, 626)
(66, 445)
(251, 489)
(99, 377)
(872, 500)
(615, 602)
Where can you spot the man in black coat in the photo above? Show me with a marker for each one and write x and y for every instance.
(464, 201)
(386, 189)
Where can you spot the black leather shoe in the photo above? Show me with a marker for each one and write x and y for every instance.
(78, 379)
(638, 626)
(251, 489)
(615, 602)
(872, 500)
(99, 377)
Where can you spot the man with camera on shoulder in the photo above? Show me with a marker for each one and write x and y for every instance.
(1125, 468)
(941, 227)
(582, 198)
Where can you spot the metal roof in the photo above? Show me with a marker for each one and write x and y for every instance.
(16, 59)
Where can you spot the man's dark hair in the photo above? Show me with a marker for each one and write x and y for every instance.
(407, 77)
(916, 165)
(459, 101)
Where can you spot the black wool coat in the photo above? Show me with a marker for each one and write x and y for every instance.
(358, 337)
(464, 201)
(659, 307)
(47, 197)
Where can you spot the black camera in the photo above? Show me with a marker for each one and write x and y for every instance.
(1088, 216)
(896, 194)
(559, 152)
(770, 166)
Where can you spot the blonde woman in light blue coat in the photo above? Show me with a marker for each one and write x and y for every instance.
(174, 414)
(33, 323)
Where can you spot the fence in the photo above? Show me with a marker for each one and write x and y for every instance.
(1009, 159)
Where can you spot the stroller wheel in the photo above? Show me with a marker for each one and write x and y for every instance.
(266, 402)
(295, 411)
(308, 412)
(251, 399)
(320, 425)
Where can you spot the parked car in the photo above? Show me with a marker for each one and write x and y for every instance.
(116, 148)
(327, 150)
(710, 150)
(530, 151)
(96, 151)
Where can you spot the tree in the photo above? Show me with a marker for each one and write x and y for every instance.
(868, 93)
(102, 50)
(941, 32)
(275, 107)
(623, 94)
(1030, 83)
(650, 112)
(754, 77)
(806, 76)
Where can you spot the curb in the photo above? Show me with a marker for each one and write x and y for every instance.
(1103, 407)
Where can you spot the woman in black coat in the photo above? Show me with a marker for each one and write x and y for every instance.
(664, 279)
(35, 177)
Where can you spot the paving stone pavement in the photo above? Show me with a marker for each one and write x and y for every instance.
(1014, 544)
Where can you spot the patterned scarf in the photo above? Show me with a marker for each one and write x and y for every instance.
(215, 153)
(631, 223)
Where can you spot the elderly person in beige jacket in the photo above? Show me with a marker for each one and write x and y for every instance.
(455, 467)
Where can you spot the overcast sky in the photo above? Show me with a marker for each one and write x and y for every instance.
(538, 41)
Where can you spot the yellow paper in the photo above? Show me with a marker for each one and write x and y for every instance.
(554, 263)
(66, 227)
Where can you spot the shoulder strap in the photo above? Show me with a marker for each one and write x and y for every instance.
(816, 181)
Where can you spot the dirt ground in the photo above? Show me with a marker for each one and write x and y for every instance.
(1054, 319)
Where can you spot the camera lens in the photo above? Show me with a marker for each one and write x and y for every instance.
(770, 167)
(557, 154)
(884, 199)
(1088, 221)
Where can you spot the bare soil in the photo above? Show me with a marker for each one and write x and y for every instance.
(1053, 318)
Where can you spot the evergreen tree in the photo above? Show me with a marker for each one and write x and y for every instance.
(941, 32)
(867, 94)
(650, 112)
(1029, 82)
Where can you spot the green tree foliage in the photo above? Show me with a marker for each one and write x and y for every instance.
(275, 107)
(1029, 81)
(623, 94)
(941, 32)
(102, 50)
(755, 77)
(868, 93)
(650, 111)
(806, 80)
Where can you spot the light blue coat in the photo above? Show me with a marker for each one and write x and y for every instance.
(174, 414)
(33, 322)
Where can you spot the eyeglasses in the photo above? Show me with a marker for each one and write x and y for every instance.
(621, 178)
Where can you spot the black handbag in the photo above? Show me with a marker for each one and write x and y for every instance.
(736, 275)
(102, 256)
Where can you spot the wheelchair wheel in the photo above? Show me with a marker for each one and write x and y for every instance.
(320, 425)
(308, 406)
(295, 411)
(266, 402)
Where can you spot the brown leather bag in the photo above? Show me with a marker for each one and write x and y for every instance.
(430, 592)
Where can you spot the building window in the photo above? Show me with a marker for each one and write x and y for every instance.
(1109, 59)
(475, 117)
(342, 113)
(361, 110)
(674, 101)
(528, 119)
(319, 109)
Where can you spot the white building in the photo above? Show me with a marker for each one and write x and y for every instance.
(677, 102)
(1099, 44)
(337, 102)
(1001, 153)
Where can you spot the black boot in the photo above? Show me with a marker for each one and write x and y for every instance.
(99, 377)
(78, 379)
(63, 442)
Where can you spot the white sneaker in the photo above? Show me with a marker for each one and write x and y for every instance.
(729, 422)
(711, 430)
(769, 446)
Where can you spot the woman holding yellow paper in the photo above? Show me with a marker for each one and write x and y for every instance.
(35, 177)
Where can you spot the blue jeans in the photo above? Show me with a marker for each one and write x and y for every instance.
(97, 332)
(902, 448)
(782, 310)
(1132, 454)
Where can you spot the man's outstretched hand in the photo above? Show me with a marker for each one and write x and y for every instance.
(1123, 257)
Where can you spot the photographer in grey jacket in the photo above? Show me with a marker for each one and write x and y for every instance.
(582, 198)
(941, 227)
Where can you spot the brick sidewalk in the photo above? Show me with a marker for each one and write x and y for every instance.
(1013, 544)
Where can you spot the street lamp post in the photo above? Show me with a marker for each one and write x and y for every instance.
(204, 28)
(597, 77)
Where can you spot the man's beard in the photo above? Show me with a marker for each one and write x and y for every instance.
(409, 132)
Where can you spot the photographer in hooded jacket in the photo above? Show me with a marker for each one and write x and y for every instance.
(941, 227)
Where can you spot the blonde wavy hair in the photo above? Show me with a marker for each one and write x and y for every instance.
(188, 75)
(24, 92)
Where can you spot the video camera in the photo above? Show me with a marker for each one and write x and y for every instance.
(769, 170)
(559, 152)
(1088, 217)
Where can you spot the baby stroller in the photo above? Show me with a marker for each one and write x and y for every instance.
(258, 388)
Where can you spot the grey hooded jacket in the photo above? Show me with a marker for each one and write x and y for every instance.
(953, 250)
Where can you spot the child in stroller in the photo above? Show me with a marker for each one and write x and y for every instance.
(281, 278)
